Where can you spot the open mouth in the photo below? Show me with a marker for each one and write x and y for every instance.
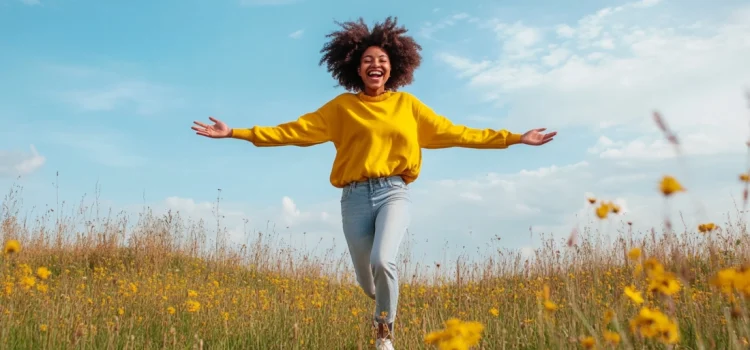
(375, 74)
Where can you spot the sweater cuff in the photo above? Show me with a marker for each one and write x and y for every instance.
(513, 139)
(242, 134)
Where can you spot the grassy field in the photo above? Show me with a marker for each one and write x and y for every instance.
(156, 284)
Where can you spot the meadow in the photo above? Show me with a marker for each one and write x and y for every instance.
(90, 281)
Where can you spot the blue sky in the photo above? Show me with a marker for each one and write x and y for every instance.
(106, 93)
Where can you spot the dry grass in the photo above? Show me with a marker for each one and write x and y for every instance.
(156, 283)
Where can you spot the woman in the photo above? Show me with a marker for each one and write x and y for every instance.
(378, 134)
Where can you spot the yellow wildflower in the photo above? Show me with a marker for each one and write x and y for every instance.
(43, 273)
(192, 306)
(707, 227)
(669, 185)
(612, 337)
(654, 324)
(12, 246)
(634, 254)
(171, 310)
(602, 210)
(191, 293)
(494, 312)
(634, 295)
(588, 342)
(550, 306)
(456, 335)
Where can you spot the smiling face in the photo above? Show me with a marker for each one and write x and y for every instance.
(374, 69)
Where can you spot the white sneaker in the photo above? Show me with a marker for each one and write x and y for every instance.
(384, 344)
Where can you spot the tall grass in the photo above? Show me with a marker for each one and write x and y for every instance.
(156, 282)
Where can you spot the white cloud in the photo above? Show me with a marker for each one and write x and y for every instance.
(145, 97)
(695, 78)
(428, 29)
(16, 163)
(113, 88)
(297, 34)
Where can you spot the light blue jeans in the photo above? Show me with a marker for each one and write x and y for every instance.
(375, 214)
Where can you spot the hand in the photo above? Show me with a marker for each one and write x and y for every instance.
(216, 131)
(535, 137)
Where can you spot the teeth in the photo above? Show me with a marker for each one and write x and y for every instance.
(375, 73)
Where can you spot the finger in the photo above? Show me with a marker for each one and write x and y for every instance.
(540, 129)
(199, 123)
(214, 120)
(203, 133)
(550, 135)
(198, 129)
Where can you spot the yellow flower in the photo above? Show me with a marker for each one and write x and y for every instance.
(634, 254)
(634, 295)
(494, 311)
(43, 273)
(588, 342)
(707, 227)
(171, 310)
(191, 293)
(42, 327)
(12, 246)
(608, 316)
(192, 306)
(27, 282)
(456, 335)
(602, 210)
(654, 324)
(612, 337)
(550, 306)
(669, 186)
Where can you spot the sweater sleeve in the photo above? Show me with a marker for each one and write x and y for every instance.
(436, 131)
(308, 130)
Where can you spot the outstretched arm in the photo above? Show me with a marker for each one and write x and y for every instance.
(436, 131)
(309, 129)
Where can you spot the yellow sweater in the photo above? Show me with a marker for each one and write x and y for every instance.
(375, 136)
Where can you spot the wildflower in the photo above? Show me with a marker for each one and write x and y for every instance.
(612, 337)
(608, 316)
(661, 281)
(602, 210)
(8, 288)
(27, 282)
(669, 185)
(550, 306)
(588, 342)
(192, 306)
(634, 254)
(42, 327)
(456, 335)
(494, 312)
(191, 293)
(634, 295)
(12, 246)
(654, 324)
(171, 310)
(707, 227)
(43, 273)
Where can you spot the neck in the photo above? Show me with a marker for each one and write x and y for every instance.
(374, 92)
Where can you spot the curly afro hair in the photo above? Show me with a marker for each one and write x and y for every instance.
(343, 52)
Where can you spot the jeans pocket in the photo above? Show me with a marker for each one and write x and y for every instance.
(345, 193)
